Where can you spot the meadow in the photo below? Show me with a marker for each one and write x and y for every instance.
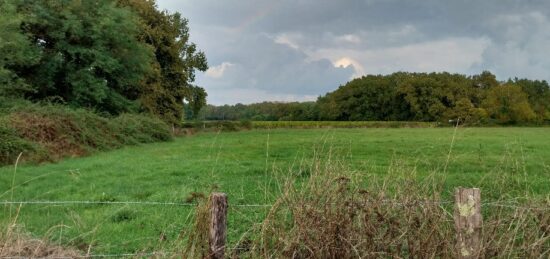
(505, 163)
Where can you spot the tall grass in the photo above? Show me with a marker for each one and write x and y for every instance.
(335, 212)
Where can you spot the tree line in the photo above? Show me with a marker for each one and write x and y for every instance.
(111, 56)
(403, 96)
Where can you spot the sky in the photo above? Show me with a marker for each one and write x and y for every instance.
(297, 50)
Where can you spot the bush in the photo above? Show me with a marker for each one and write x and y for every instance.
(49, 132)
(11, 144)
(141, 129)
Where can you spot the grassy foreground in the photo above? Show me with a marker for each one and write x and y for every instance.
(504, 162)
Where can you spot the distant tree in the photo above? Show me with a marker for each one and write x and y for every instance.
(372, 97)
(538, 93)
(485, 80)
(464, 111)
(174, 64)
(197, 100)
(424, 94)
(401, 96)
(508, 104)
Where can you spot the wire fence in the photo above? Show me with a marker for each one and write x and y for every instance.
(513, 204)
(163, 254)
(500, 203)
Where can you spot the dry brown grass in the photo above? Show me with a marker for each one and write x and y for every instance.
(334, 214)
(15, 243)
(25, 247)
(196, 239)
(49, 131)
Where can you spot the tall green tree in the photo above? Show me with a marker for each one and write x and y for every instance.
(176, 60)
(90, 55)
(16, 50)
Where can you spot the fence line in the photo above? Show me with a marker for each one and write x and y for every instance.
(94, 256)
(507, 204)
(96, 202)
(467, 217)
(46, 202)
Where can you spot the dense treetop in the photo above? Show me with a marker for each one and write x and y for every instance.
(404, 96)
(109, 56)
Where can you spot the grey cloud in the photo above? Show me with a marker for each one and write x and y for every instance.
(277, 68)
(289, 48)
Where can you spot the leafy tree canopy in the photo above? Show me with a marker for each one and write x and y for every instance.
(405, 96)
(89, 53)
(15, 50)
(110, 56)
(174, 64)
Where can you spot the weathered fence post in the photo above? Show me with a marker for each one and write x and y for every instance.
(218, 225)
(468, 221)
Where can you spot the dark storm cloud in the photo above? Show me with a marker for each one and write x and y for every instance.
(297, 50)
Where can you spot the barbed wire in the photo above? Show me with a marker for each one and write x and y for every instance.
(164, 254)
(509, 204)
(45, 202)
(513, 205)
(97, 203)
(502, 203)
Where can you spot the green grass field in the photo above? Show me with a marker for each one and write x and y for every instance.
(504, 162)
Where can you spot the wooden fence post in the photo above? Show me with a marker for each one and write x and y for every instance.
(218, 225)
(468, 221)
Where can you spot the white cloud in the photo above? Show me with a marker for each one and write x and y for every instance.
(349, 38)
(453, 54)
(287, 40)
(357, 67)
(218, 71)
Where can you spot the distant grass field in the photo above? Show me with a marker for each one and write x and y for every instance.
(504, 162)
(343, 124)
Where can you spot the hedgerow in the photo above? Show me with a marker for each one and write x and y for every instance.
(46, 132)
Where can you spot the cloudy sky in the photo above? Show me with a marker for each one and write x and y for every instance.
(295, 50)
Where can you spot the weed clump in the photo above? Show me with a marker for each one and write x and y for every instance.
(124, 215)
(14, 243)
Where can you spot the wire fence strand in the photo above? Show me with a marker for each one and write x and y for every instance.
(508, 204)
(97, 203)
(163, 254)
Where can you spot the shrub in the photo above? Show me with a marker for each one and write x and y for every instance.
(46, 132)
(141, 129)
(11, 144)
